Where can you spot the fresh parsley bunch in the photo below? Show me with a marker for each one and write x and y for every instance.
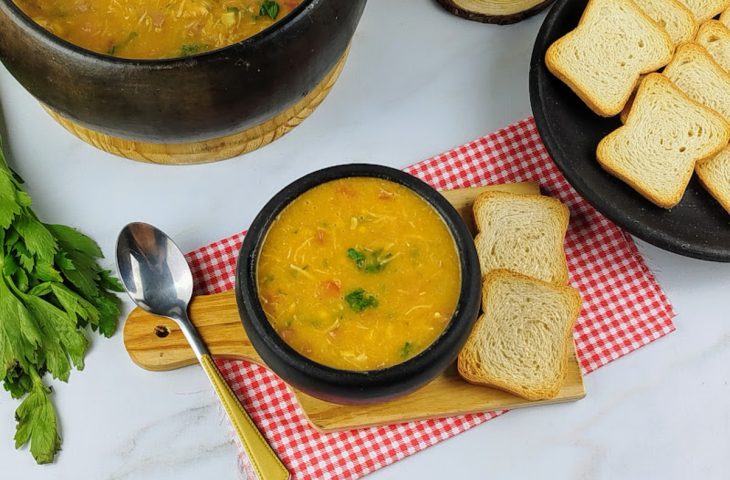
(51, 289)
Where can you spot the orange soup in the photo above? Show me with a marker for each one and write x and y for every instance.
(148, 29)
(359, 274)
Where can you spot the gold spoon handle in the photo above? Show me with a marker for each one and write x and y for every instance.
(265, 462)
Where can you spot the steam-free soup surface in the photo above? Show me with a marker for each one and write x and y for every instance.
(149, 29)
(359, 274)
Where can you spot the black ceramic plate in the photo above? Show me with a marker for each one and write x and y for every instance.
(697, 227)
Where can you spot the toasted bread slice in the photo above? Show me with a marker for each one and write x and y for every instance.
(519, 344)
(694, 72)
(704, 10)
(675, 17)
(714, 175)
(714, 36)
(602, 58)
(522, 233)
(665, 134)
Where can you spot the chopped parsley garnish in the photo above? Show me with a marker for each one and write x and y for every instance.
(359, 300)
(114, 49)
(189, 49)
(357, 257)
(369, 261)
(405, 350)
(269, 8)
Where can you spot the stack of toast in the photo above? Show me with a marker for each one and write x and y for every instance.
(676, 122)
(520, 342)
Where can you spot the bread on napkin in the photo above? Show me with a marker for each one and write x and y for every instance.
(665, 135)
(519, 344)
(522, 233)
(602, 58)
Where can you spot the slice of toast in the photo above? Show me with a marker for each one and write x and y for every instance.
(714, 174)
(714, 36)
(675, 17)
(522, 233)
(602, 58)
(704, 10)
(665, 134)
(519, 344)
(694, 72)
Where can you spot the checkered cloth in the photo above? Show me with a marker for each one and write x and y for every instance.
(624, 309)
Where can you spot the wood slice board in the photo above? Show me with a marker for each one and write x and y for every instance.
(500, 12)
(157, 343)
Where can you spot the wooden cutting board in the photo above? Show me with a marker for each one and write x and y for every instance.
(156, 343)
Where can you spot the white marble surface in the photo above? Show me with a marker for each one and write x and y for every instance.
(418, 82)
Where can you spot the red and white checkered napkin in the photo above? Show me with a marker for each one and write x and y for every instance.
(624, 309)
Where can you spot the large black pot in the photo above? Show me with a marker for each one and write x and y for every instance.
(181, 100)
(345, 386)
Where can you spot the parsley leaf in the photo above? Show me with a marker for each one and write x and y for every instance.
(51, 289)
(114, 49)
(370, 261)
(359, 300)
(269, 8)
(357, 257)
(190, 49)
(405, 350)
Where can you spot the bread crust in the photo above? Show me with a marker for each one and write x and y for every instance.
(465, 361)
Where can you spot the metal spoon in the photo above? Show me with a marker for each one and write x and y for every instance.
(158, 278)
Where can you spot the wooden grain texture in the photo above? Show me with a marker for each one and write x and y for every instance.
(500, 12)
(209, 150)
(156, 343)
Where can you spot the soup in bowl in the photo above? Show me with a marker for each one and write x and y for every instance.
(151, 29)
(358, 283)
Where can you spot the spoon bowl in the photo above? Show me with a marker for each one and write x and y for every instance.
(153, 269)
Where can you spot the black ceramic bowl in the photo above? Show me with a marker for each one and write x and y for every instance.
(345, 386)
(181, 100)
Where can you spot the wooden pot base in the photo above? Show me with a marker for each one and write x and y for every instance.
(208, 150)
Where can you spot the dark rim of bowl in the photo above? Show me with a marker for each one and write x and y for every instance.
(247, 290)
(65, 44)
